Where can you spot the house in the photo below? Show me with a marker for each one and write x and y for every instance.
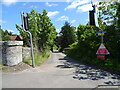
(17, 37)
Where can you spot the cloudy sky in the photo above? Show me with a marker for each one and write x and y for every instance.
(74, 11)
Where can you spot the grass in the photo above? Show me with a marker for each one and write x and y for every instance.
(38, 58)
(27, 61)
(4, 68)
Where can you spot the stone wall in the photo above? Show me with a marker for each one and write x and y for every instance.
(26, 53)
(11, 52)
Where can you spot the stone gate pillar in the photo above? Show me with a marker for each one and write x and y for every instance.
(11, 52)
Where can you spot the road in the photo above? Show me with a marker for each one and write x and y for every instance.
(60, 72)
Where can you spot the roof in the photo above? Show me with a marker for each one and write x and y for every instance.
(16, 37)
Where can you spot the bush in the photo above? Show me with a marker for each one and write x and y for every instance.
(85, 49)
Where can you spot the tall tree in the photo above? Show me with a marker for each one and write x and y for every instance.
(109, 14)
(42, 30)
(46, 31)
(67, 35)
(118, 15)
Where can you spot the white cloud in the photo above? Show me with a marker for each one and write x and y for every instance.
(24, 4)
(69, 1)
(63, 18)
(58, 30)
(76, 3)
(86, 7)
(2, 21)
(50, 5)
(8, 2)
(52, 14)
(73, 21)
(10, 30)
(33, 6)
(79, 3)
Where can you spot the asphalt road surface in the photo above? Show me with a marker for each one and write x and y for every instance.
(61, 72)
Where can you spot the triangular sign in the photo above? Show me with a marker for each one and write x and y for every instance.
(102, 50)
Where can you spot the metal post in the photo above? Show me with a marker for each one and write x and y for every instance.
(102, 39)
(32, 53)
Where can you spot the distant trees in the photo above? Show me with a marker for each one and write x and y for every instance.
(42, 30)
(67, 35)
(5, 35)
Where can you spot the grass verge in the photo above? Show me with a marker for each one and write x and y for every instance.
(38, 58)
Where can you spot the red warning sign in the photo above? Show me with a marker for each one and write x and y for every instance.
(102, 50)
(102, 57)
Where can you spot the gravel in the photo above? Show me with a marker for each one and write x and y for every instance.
(17, 68)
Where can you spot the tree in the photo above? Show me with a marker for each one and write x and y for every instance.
(46, 32)
(24, 35)
(4, 35)
(85, 48)
(107, 12)
(109, 18)
(118, 15)
(88, 41)
(42, 30)
(67, 35)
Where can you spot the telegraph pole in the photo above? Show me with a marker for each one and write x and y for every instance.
(26, 28)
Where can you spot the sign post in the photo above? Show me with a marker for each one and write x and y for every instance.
(26, 28)
(102, 52)
(101, 33)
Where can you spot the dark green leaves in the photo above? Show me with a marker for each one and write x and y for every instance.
(67, 35)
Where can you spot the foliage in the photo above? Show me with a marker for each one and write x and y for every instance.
(24, 35)
(67, 36)
(88, 42)
(110, 14)
(39, 59)
(42, 30)
(5, 35)
(27, 61)
(4, 68)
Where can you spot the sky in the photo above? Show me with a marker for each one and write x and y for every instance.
(74, 11)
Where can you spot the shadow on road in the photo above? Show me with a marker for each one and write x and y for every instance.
(85, 72)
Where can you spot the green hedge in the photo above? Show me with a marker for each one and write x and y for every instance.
(86, 47)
